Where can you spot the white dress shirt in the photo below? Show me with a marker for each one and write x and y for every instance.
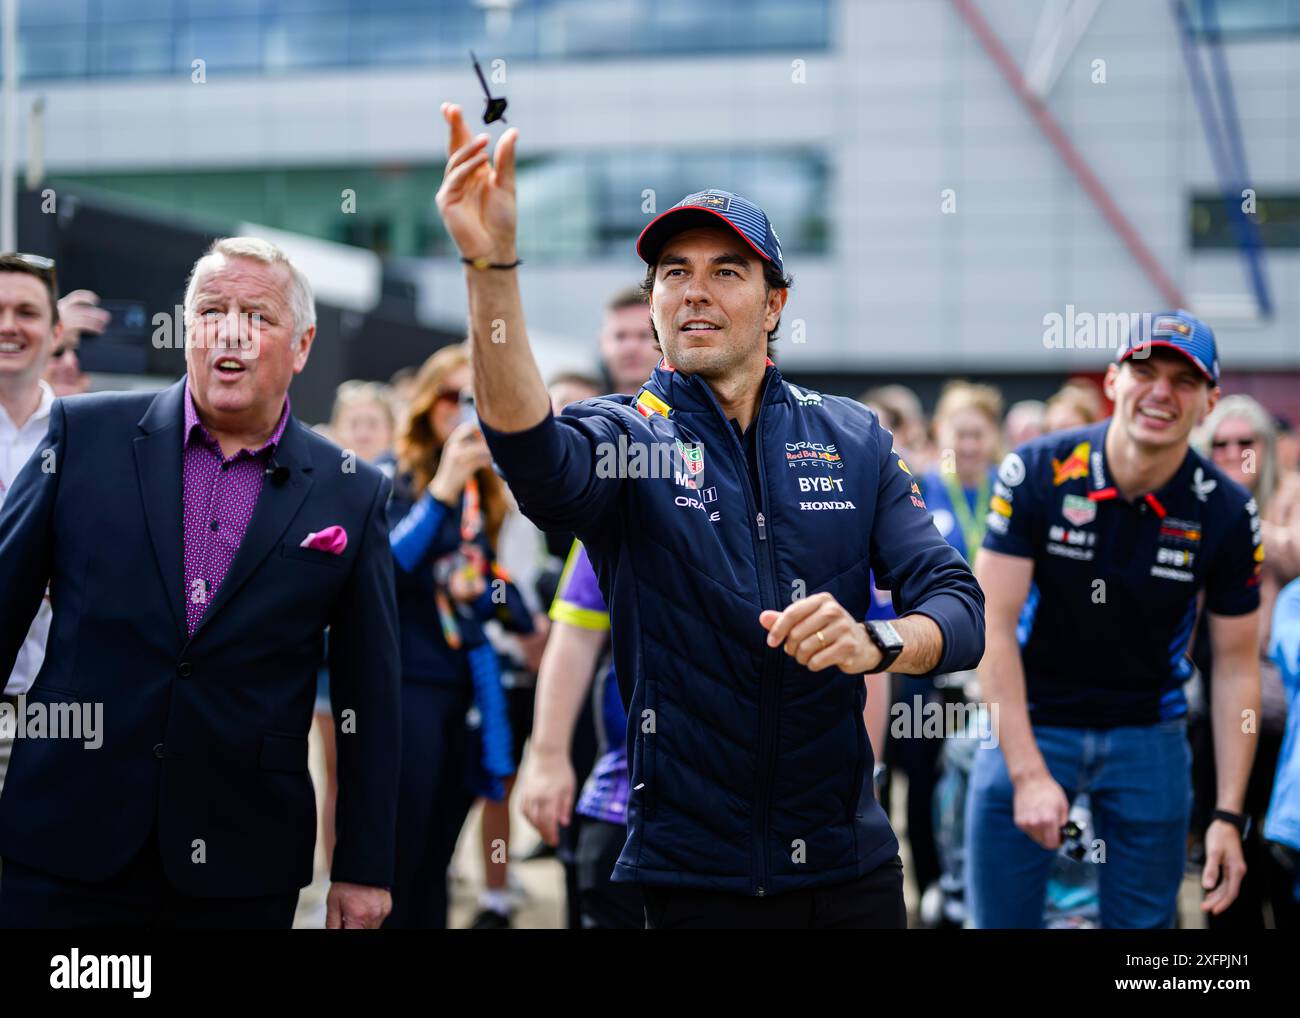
(16, 447)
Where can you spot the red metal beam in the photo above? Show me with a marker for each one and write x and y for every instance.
(1070, 155)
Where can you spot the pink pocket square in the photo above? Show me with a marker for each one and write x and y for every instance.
(332, 540)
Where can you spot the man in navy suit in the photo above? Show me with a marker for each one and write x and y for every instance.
(197, 542)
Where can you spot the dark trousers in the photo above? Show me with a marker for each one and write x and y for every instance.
(871, 902)
(602, 904)
(922, 761)
(582, 754)
(433, 800)
(140, 895)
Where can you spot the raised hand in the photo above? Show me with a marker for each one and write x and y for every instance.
(477, 199)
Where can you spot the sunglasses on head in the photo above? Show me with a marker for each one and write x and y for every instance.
(37, 265)
(38, 262)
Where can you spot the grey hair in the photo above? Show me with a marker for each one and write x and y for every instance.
(301, 299)
(1242, 407)
(355, 392)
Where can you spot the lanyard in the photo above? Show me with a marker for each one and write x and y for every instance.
(972, 524)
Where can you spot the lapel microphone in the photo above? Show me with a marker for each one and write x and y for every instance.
(277, 472)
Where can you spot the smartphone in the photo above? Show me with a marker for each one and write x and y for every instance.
(123, 346)
(468, 414)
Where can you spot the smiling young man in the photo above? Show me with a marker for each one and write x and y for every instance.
(735, 579)
(197, 543)
(1125, 533)
(29, 330)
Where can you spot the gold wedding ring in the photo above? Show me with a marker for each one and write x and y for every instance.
(820, 637)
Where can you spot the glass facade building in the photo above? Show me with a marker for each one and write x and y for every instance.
(62, 39)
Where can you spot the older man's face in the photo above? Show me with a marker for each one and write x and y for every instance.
(241, 352)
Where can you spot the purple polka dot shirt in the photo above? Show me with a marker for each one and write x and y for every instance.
(220, 495)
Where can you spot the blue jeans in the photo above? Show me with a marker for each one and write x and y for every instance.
(1139, 784)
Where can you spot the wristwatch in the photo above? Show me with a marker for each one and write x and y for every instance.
(886, 637)
(1238, 820)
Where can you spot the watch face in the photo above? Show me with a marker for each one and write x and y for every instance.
(889, 634)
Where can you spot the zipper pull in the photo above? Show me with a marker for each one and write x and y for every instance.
(762, 528)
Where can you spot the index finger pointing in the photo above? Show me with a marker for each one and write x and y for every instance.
(459, 132)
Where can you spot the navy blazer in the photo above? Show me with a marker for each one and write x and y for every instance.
(204, 736)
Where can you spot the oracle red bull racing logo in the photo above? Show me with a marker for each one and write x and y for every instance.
(812, 454)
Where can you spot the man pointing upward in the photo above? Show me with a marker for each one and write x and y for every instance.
(736, 579)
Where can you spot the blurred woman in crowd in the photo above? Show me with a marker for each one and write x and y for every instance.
(361, 421)
(1240, 437)
(525, 551)
(958, 491)
(899, 410)
(446, 515)
(1076, 403)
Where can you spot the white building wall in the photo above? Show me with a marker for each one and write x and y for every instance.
(906, 102)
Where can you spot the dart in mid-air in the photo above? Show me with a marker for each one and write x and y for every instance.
(496, 107)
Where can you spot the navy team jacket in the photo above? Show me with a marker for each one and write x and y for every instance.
(750, 773)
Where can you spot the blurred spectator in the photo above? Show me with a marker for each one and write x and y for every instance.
(523, 556)
(446, 514)
(1024, 422)
(401, 387)
(899, 409)
(363, 419)
(1240, 437)
(29, 330)
(628, 351)
(1075, 404)
(80, 313)
(572, 387)
(1282, 823)
(967, 421)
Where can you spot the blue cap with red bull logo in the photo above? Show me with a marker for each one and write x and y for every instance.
(1178, 330)
(706, 208)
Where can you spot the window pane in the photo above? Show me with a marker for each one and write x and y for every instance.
(303, 42)
(395, 38)
(589, 27)
(135, 10)
(131, 49)
(223, 44)
(52, 53)
(53, 12)
(1214, 222)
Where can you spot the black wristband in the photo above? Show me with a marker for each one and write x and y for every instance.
(1238, 820)
(482, 263)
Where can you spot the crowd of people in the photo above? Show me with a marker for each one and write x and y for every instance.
(698, 687)
(572, 724)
